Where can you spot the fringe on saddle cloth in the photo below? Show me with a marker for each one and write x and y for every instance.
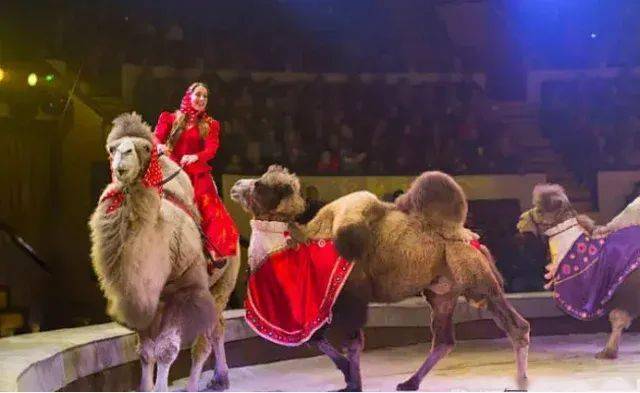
(591, 271)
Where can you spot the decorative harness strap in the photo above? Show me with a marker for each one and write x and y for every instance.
(562, 227)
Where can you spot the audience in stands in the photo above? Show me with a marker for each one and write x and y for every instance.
(349, 128)
(594, 123)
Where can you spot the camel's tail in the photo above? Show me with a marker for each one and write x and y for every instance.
(492, 264)
(352, 240)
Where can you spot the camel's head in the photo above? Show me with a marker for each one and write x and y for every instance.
(275, 196)
(551, 206)
(129, 145)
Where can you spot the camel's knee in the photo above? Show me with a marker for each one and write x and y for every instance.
(167, 348)
(509, 320)
(145, 350)
(523, 328)
(620, 319)
(519, 332)
(166, 354)
(356, 342)
(523, 339)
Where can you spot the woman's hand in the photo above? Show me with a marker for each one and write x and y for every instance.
(600, 232)
(550, 276)
(188, 159)
(162, 148)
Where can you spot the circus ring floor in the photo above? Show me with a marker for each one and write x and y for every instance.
(556, 363)
(102, 357)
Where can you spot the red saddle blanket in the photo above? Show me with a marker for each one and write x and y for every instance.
(291, 294)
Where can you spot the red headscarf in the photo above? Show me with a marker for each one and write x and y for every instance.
(152, 179)
(186, 107)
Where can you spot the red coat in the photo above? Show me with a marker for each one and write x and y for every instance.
(217, 224)
(190, 142)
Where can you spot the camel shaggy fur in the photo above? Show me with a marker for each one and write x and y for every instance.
(148, 256)
(552, 209)
(418, 245)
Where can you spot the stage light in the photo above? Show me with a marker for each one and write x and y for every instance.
(1, 74)
(32, 79)
(593, 35)
(49, 78)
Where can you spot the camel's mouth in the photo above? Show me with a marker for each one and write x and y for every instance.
(125, 170)
(241, 191)
(526, 224)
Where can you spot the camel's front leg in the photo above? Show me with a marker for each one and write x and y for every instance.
(220, 379)
(354, 349)
(442, 308)
(338, 359)
(147, 361)
(166, 349)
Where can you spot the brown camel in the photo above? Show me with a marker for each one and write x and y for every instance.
(416, 246)
(553, 218)
(148, 255)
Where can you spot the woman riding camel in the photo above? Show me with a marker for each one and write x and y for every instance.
(191, 138)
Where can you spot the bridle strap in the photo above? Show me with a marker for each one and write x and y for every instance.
(562, 227)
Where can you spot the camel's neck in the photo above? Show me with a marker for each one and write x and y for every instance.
(266, 237)
(561, 243)
(141, 205)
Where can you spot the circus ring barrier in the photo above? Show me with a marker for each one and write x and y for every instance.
(103, 357)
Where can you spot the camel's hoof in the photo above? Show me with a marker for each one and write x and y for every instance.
(351, 389)
(523, 384)
(218, 384)
(408, 386)
(607, 354)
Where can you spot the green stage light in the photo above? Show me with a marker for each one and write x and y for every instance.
(49, 78)
(32, 79)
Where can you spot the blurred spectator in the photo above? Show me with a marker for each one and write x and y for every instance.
(329, 163)
(234, 165)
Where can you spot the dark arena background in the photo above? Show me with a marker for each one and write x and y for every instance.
(349, 95)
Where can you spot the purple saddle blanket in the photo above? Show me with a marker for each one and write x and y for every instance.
(589, 274)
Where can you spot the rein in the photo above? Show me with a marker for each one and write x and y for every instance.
(170, 177)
